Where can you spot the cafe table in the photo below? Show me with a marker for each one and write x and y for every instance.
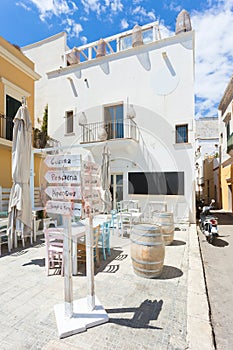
(79, 230)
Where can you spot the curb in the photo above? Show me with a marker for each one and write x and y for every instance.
(199, 331)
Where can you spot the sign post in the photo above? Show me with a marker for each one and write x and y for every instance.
(69, 186)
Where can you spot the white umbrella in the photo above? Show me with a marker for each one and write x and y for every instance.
(20, 201)
(105, 179)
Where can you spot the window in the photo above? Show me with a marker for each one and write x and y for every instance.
(114, 123)
(156, 183)
(182, 133)
(69, 122)
(12, 106)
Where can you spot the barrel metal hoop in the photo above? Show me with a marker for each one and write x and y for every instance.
(147, 262)
(146, 234)
(146, 243)
(144, 270)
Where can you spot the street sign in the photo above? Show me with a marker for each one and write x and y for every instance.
(64, 208)
(63, 160)
(63, 177)
(77, 209)
(90, 167)
(64, 192)
(57, 207)
(90, 181)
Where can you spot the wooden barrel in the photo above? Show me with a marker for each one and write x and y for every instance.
(147, 250)
(165, 219)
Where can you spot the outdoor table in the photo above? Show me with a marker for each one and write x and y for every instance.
(136, 216)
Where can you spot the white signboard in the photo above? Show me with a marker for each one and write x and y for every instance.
(63, 177)
(77, 209)
(57, 207)
(92, 195)
(64, 208)
(64, 192)
(88, 181)
(89, 167)
(63, 160)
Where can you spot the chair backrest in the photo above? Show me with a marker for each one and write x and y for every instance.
(106, 229)
(133, 210)
(96, 233)
(4, 199)
(37, 197)
(54, 237)
(126, 217)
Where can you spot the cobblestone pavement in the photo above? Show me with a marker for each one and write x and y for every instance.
(144, 313)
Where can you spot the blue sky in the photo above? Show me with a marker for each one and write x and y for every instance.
(23, 22)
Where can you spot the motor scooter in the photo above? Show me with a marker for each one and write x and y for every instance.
(209, 223)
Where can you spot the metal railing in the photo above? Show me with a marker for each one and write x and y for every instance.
(101, 131)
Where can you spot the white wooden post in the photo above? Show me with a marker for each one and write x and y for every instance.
(90, 265)
(68, 267)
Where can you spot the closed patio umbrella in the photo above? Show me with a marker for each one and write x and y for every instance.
(20, 202)
(105, 179)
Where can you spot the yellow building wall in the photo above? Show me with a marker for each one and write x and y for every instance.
(5, 164)
(226, 180)
(13, 72)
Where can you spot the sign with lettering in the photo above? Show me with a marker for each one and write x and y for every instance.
(64, 208)
(91, 195)
(64, 192)
(57, 207)
(90, 167)
(90, 181)
(63, 177)
(63, 160)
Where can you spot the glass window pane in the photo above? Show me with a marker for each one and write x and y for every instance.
(69, 122)
(126, 42)
(181, 133)
(147, 36)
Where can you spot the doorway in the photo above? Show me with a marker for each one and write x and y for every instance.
(12, 106)
(116, 188)
(230, 197)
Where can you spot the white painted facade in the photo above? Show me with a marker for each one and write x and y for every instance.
(157, 80)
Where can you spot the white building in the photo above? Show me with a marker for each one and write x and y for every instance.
(135, 92)
(207, 146)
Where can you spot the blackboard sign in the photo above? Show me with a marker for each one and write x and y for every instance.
(165, 183)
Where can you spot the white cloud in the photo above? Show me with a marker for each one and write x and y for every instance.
(91, 5)
(116, 5)
(142, 13)
(124, 24)
(47, 8)
(20, 3)
(214, 55)
(72, 28)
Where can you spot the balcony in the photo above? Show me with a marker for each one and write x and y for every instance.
(230, 145)
(111, 45)
(102, 131)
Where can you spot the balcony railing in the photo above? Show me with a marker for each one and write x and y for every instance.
(230, 144)
(101, 131)
(113, 44)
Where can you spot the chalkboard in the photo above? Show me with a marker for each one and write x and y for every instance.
(166, 183)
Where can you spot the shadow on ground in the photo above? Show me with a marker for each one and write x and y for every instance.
(110, 265)
(218, 242)
(148, 311)
(177, 242)
(169, 272)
